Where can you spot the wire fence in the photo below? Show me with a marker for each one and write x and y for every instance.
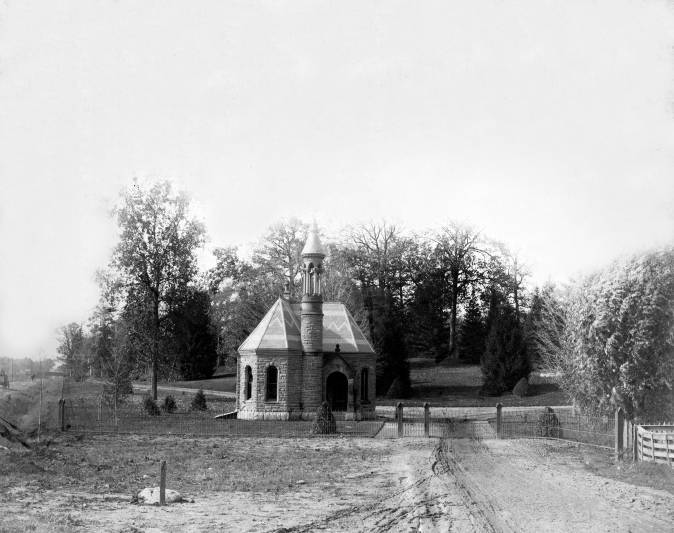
(501, 423)
(575, 427)
(91, 407)
(196, 423)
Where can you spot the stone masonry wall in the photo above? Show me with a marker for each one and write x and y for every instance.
(358, 362)
(286, 404)
(312, 385)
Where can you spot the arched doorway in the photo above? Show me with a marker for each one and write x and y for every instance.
(337, 391)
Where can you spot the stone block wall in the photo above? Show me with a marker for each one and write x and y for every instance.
(311, 388)
(286, 405)
(301, 385)
(357, 362)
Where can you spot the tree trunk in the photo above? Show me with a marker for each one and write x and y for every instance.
(155, 349)
(453, 352)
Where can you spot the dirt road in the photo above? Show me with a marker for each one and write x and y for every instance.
(535, 485)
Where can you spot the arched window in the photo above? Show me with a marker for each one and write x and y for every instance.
(364, 385)
(272, 384)
(249, 383)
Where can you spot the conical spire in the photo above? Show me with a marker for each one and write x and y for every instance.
(313, 245)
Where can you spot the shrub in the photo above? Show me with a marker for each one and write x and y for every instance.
(548, 424)
(150, 407)
(617, 344)
(521, 389)
(169, 404)
(400, 388)
(199, 401)
(505, 358)
(325, 421)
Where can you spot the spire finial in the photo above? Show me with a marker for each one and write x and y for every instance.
(313, 245)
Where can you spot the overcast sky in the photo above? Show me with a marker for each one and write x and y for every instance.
(548, 125)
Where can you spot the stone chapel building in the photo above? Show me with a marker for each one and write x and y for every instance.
(304, 353)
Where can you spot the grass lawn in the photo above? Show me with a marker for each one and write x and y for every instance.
(224, 384)
(458, 385)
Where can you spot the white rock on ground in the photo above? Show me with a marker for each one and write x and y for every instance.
(150, 496)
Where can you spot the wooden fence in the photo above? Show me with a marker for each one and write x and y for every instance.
(654, 443)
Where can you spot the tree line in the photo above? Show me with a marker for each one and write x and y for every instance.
(439, 294)
(610, 337)
(450, 294)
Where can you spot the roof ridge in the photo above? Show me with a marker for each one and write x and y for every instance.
(349, 326)
(269, 314)
(283, 321)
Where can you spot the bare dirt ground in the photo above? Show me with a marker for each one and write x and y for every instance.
(336, 484)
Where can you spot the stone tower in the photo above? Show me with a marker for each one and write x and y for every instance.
(312, 322)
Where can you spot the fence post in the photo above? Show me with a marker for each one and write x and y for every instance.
(162, 484)
(641, 448)
(427, 419)
(62, 414)
(399, 416)
(499, 427)
(634, 442)
(618, 429)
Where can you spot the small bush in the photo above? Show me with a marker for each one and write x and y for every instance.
(521, 389)
(325, 421)
(400, 388)
(150, 407)
(199, 401)
(548, 424)
(169, 404)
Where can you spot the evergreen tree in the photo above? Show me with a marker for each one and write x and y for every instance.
(194, 337)
(505, 359)
(392, 365)
(472, 334)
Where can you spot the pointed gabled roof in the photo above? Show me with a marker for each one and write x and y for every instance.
(339, 327)
(278, 330)
(313, 246)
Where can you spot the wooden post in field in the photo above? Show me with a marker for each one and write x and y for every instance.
(427, 420)
(62, 414)
(634, 442)
(162, 484)
(399, 416)
(618, 429)
(499, 427)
